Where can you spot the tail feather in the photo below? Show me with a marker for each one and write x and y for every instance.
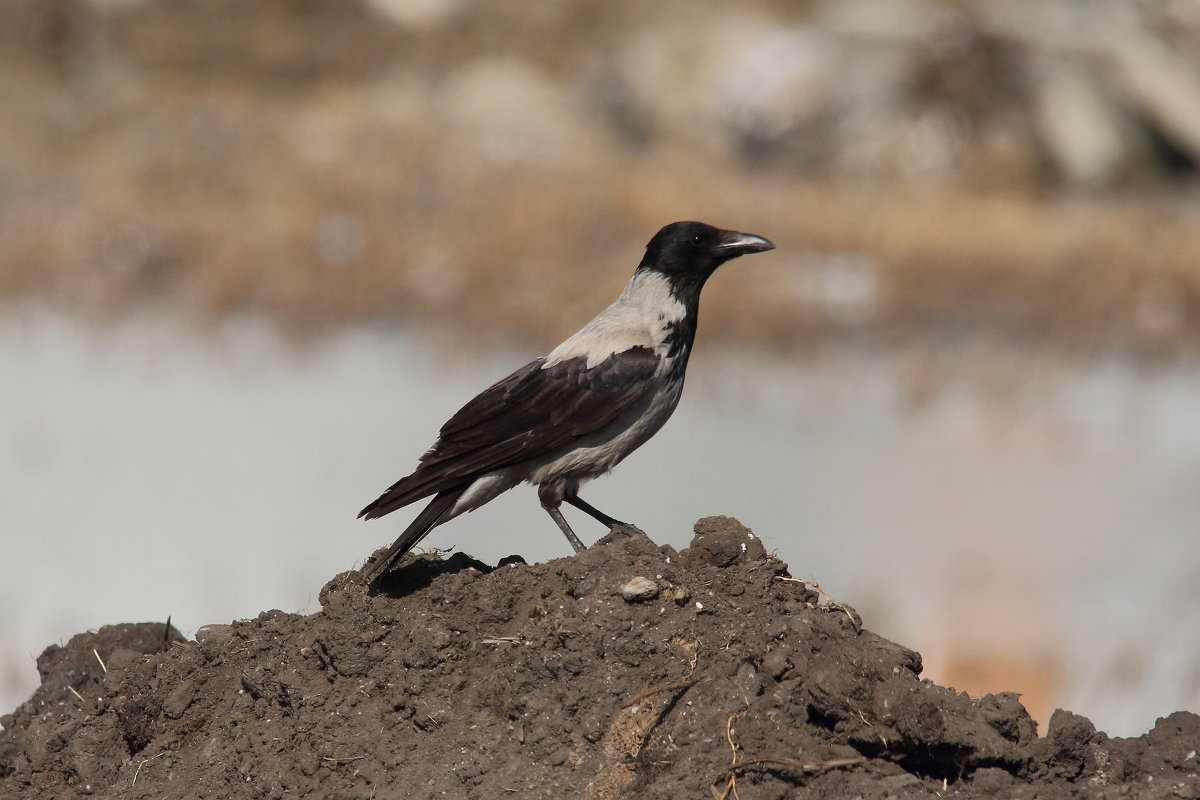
(404, 491)
(426, 521)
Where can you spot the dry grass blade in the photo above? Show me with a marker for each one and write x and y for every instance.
(138, 771)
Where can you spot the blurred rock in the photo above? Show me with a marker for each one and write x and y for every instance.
(1079, 128)
(784, 89)
(1088, 94)
(1160, 82)
(417, 15)
(509, 113)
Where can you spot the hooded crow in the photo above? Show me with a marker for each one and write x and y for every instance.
(574, 414)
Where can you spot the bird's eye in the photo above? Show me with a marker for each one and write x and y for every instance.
(696, 239)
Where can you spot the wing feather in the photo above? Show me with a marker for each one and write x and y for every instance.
(533, 412)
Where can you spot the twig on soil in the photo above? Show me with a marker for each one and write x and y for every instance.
(71, 689)
(685, 683)
(731, 784)
(342, 759)
(733, 748)
(692, 647)
(774, 764)
(96, 653)
(829, 601)
(138, 771)
(765, 763)
(675, 688)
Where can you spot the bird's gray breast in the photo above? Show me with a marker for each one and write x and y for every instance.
(646, 319)
(598, 452)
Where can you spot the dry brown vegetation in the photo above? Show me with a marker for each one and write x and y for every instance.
(299, 160)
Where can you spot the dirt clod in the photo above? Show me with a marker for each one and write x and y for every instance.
(722, 541)
(455, 679)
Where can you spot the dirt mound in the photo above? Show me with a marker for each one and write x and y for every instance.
(629, 670)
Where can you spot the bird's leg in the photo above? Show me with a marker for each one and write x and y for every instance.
(551, 496)
(597, 514)
(556, 515)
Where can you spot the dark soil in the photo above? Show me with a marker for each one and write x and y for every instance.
(629, 670)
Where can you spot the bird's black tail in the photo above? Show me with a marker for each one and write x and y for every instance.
(426, 521)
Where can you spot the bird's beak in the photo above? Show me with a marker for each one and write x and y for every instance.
(737, 244)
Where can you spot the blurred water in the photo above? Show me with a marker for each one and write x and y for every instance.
(1025, 525)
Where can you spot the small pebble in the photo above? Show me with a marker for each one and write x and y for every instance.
(639, 588)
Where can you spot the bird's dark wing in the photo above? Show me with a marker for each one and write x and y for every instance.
(531, 413)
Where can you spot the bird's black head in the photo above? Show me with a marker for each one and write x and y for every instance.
(688, 252)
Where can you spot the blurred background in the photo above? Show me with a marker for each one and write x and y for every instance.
(253, 254)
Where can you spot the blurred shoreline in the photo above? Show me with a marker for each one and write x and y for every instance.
(1013, 526)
